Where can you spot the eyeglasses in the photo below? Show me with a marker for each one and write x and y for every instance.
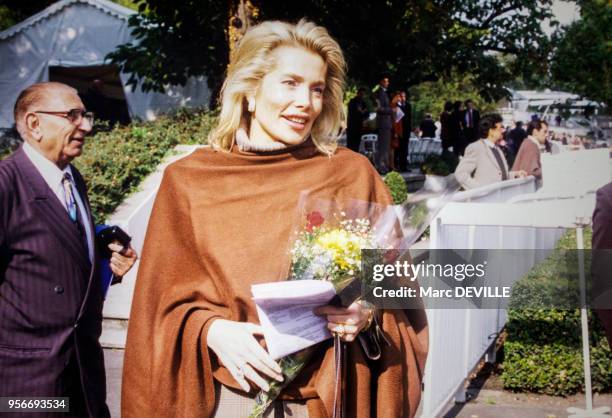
(75, 116)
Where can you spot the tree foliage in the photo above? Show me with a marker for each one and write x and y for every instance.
(430, 96)
(410, 40)
(14, 11)
(582, 61)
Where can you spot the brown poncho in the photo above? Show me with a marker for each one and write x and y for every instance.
(221, 222)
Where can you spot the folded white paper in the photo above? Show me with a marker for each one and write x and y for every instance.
(286, 315)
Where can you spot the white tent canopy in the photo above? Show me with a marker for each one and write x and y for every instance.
(79, 33)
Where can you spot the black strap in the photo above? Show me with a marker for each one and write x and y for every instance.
(340, 384)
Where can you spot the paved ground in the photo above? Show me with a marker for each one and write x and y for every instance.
(498, 404)
(113, 360)
(484, 403)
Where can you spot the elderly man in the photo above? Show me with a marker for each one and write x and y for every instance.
(51, 295)
(484, 162)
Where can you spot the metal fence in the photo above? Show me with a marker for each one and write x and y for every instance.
(481, 219)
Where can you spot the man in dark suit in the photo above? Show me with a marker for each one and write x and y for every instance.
(357, 113)
(428, 127)
(602, 260)
(50, 293)
(384, 125)
(516, 137)
(471, 119)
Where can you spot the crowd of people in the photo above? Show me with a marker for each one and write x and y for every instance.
(458, 125)
(393, 126)
(457, 128)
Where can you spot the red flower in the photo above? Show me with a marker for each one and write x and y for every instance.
(314, 219)
(391, 255)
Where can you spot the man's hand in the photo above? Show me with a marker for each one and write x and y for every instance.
(241, 354)
(347, 322)
(122, 259)
(520, 174)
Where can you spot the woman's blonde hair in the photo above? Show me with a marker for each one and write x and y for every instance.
(250, 62)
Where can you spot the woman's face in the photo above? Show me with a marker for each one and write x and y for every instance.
(290, 97)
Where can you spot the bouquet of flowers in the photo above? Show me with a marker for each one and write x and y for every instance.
(328, 246)
(330, 249)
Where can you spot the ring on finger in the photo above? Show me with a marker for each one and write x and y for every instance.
(340, 330)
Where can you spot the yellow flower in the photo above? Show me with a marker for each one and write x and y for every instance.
(344, 247)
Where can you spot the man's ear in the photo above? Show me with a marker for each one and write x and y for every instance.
(32, 123)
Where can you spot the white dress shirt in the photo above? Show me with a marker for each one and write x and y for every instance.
(53, 177)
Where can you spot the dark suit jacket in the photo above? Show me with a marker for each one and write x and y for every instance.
(445, 129)
(456, 128)
(471, 134)
(428, 128)
(384, 113)
(601, 262)
(50, 297)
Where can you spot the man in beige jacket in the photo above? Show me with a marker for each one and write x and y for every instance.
(484, 162)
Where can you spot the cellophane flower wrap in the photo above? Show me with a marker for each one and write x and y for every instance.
(327, 245)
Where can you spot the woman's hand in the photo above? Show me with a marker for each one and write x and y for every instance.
(240, 353)
(346, 322)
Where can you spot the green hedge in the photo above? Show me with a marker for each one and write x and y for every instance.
(115, 162)
(397, 186)
(543, 348)
(440, 165)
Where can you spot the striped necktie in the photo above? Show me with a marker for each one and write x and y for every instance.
(72, 207)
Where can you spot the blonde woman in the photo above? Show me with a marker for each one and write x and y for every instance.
(222, 221)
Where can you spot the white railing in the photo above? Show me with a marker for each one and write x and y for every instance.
(485, 219)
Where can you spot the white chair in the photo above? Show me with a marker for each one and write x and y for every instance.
(368, 144)
(437, 146)
(419, 151)
(413, 144)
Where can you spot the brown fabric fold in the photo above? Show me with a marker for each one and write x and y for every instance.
(221, 222)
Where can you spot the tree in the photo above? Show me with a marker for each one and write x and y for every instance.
(582, 62)
(412, 41)
(430, 96)
(14, 11)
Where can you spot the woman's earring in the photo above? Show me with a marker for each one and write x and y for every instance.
(251, 105)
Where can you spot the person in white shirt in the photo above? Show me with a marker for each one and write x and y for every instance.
(51, 294)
